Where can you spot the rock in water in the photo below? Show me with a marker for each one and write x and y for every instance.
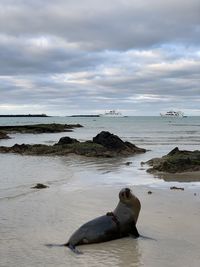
(4, 135)
(109, 140)
(176, 161)
(103, 145)
(113, 142)
(176, 188)
(67, 140)
(40, 128)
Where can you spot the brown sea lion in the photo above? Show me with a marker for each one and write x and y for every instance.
(117, 224)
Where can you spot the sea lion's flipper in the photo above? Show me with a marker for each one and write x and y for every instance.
(147, 237)
(134, 231)
(73, 248)
(54, 245)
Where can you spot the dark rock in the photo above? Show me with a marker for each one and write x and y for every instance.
(149, 192)
(174, 151)
(4, 135)
(68, 145)
(114, 143)
(128, 163)
(67, 140)
(77, 125)
(39, 186)
(176, 161)
(40, 128)
(176, 188)
(20, 148)
(109, 141)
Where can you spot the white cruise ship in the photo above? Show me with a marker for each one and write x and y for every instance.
(173, 114)
(112, 113)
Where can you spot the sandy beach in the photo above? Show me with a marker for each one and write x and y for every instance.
(169, 217)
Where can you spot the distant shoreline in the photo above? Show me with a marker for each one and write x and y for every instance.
(24, 115)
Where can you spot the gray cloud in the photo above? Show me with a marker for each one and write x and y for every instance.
(69, 56)
(106, 25)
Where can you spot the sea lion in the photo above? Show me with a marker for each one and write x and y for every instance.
(117, 224)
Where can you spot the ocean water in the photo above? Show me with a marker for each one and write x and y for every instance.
(29, 218)
(158, 135)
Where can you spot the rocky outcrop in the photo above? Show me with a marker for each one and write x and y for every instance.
(114, 143)
(109, 141)
(89, 148)
(67, 140)
(4, 135)
(176, 161)
(40, 128)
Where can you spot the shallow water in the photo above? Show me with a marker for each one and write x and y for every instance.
(82, 188)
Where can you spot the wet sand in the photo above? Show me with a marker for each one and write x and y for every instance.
(40, 217)
(183, 177)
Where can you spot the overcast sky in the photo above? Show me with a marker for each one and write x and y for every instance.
(68, 57)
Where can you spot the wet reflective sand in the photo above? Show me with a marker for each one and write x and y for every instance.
(51, 215)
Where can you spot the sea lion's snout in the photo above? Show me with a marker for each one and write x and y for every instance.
(125, 193)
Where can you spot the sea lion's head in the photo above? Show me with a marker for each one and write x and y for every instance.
(125, 195)
(131, 201)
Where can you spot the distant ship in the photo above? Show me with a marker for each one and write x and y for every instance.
(173, 114)
(112, 113)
